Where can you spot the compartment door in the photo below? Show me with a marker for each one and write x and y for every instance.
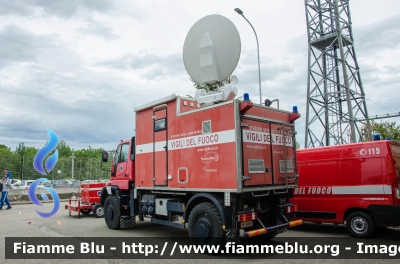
(160, 146)
(257, 165)
(283, 154)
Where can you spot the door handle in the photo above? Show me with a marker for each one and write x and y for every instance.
(126, 175)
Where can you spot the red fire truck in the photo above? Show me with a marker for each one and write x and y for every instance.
(215, 169)
(356, 184)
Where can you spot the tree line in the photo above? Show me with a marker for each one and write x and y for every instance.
(85, 165)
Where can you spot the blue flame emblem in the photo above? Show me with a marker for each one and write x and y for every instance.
(32, 196)
(43, 152)
(38, 165)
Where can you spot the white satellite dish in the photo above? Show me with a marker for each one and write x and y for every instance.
(210, 54)
(211, 50)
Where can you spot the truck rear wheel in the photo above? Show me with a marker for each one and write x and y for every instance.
(98, 211)
(360, 224)
(112, 214)
(205, 225)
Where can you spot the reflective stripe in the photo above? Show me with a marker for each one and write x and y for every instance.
(91, 189)
(295, 223)
(364, 189)
(200, 140)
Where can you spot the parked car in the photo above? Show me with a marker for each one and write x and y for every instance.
(24, 185)
(49, 184)
(60, 184)
(74, 184)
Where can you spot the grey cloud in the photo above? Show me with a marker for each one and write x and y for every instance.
(150, 66)
(63, 9)
(78, 108)
(15, 8)
(98, 29)
(383, 34)
(21, 45)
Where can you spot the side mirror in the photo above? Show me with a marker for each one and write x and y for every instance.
(104, 156)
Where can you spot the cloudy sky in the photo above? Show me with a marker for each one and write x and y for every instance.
(80, 67)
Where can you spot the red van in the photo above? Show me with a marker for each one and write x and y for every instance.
(356, 184)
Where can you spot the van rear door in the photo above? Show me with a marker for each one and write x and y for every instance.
(395, 148)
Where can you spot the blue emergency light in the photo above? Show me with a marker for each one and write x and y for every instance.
(295, 109)
(377, 137)
(246, 97)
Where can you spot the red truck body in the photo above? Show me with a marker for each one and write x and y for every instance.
(214, 169)
(356, 184)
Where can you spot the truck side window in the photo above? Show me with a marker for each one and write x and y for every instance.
(160, 124)
(116, 156)
(124, 152)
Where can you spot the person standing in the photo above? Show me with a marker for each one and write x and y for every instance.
(4, 193)
(8, 174)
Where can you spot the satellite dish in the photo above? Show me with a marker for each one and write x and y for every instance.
(211, 50)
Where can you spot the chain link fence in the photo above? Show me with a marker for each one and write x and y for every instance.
(21, 167)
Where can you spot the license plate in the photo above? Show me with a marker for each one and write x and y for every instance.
(246, 224)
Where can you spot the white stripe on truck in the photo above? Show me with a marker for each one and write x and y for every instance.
(364, 189)
(227, 136)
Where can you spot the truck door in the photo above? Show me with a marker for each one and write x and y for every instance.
(283, 154)
(121, 161)
(256, 153)
(160, 146)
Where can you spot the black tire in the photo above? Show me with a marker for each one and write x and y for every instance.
(360, 224)
(205, 225)
(86, 211)
(98, 210)
(112, 213)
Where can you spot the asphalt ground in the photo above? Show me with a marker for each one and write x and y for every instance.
(23, 221)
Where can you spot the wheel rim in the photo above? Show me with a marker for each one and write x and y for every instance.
(100, 211)
(359, 225)
(203, 229)
(110, 212)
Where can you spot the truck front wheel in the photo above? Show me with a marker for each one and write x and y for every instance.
(112, 214)
(205, 225)
(360, 224)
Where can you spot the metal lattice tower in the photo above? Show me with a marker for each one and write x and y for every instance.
(330, 116)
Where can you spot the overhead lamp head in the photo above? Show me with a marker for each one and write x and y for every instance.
(240, 12)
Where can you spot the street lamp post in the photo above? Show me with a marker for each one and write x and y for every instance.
(240, 12)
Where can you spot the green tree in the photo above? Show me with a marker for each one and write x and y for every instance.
(206, 87)
(89, 153)
(22, 150)
(4, 149)
(385, 129)
(297, 145)
(63, 149)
